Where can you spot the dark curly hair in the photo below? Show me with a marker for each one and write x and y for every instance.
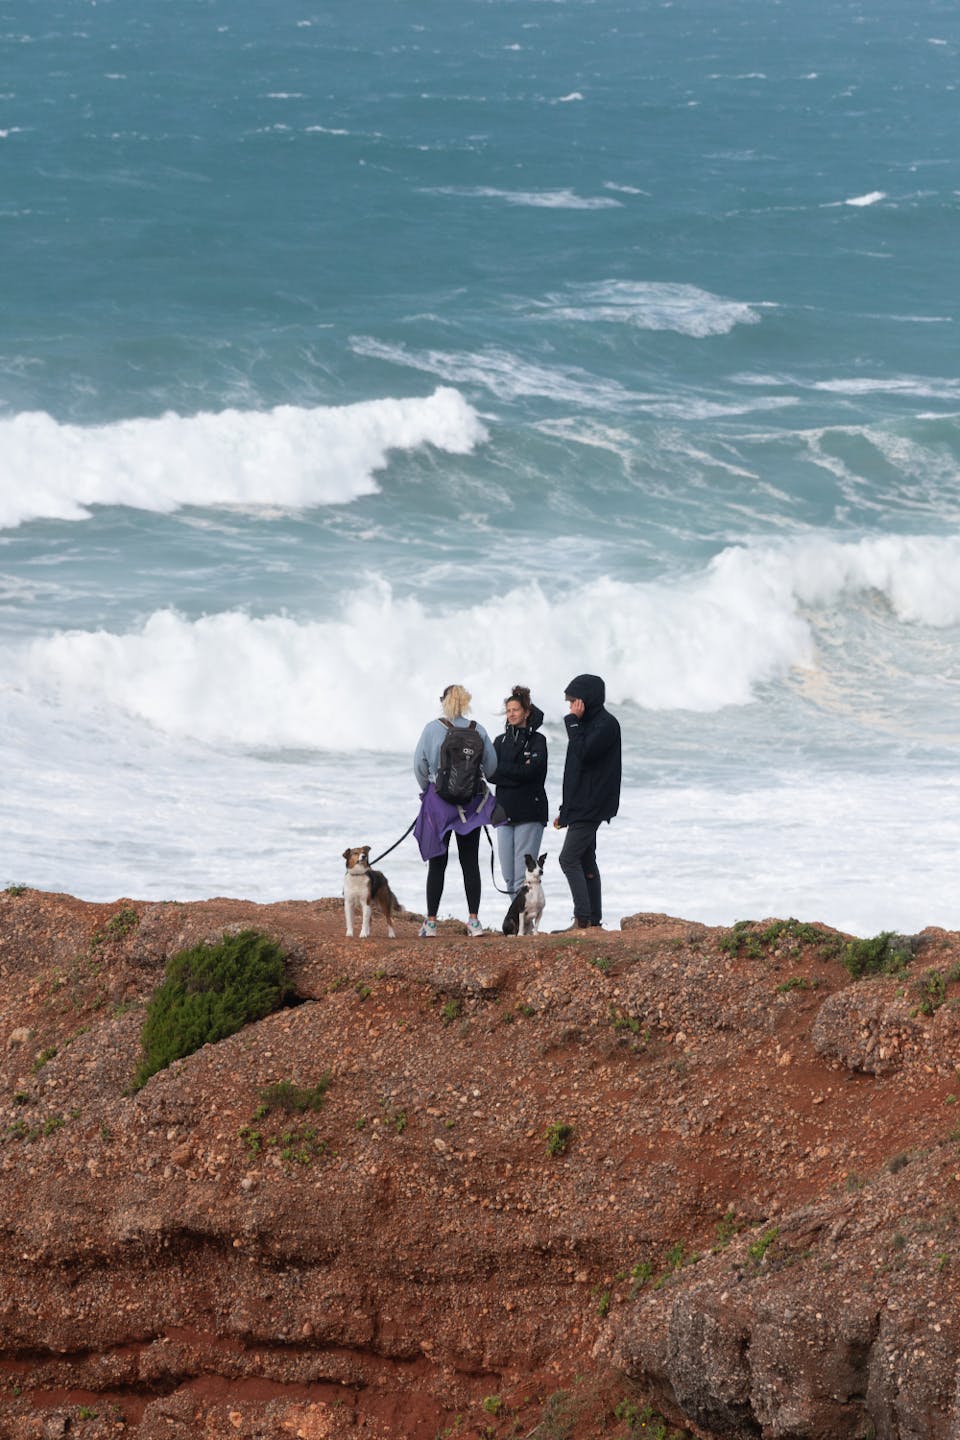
(520, 693)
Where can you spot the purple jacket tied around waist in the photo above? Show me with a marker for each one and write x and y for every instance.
(437, 818)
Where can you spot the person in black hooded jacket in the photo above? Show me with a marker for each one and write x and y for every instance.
(591, 792)
(521, 772)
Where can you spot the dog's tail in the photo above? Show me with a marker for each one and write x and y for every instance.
(378, 882)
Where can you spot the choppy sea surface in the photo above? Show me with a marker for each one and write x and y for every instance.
(350, 350)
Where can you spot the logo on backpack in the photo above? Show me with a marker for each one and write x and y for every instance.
(461, 754)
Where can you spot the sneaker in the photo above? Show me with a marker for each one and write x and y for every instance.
(428, 930)
(475, 928)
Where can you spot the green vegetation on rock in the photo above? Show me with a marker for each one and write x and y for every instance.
(210, 992)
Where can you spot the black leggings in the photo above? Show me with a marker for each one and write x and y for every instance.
(469, 850)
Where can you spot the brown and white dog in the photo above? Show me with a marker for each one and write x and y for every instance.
(366, 888)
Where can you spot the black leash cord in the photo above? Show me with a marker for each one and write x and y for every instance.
(376, 860)
(396, 842)
(492, 875)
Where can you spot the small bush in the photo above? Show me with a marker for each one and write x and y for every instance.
(876, 956)
(932, 989)
(558, 1138)
(758, 1249)
(211, 992)
(745, 939)
(796, 982)
(639, 1275)
(121, 924)
(292, 1099)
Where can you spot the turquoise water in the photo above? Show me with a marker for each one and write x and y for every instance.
(350, 350)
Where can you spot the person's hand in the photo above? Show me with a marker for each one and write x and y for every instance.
(577, 708)
(556, 823)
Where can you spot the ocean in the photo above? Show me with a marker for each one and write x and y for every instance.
(348, 351)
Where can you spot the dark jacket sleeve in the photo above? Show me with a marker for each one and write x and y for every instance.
(592, 771)
(512, 766)
(590, 742)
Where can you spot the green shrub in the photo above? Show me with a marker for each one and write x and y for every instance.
(211, 992)
(746, 939)
(876, 956)
(558, 1137)
(932, 989)
(758, 1249)
(292, 1099)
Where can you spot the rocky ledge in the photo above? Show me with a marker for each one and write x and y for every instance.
(664, 1180)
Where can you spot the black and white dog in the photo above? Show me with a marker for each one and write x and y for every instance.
(365, 888)
(523, 917)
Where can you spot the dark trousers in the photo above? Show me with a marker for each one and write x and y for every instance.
(578, 861)
(468, 848)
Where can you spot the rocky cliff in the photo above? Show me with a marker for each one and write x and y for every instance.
(668, 1178)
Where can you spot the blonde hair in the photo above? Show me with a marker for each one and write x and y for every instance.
(455, 701)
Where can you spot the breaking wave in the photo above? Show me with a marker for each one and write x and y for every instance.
(288, 456)
(699, 644)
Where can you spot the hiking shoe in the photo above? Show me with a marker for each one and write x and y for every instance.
(475, 928)
(428, 930)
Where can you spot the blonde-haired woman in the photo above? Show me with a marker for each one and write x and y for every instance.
(438, 817)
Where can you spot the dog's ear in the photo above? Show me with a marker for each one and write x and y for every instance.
(529, 861)
(542, 858)
(346, 854)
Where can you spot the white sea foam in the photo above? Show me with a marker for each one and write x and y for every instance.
(288, 456)
(504, 374)
(873, 198)
(927, 388)
(695, 407)
(539, 199)
(686, 309)
(709, 641)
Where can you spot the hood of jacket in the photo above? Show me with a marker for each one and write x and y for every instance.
(535, 718)
(588, 688)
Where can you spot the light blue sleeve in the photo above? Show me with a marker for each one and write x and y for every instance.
(489, 755)
(420, 761)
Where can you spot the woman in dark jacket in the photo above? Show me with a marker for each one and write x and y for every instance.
(521, 772)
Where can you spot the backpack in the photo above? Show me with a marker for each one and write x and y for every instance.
(458, 773)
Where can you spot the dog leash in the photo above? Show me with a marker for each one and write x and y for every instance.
(493, 877)
(377, 858)
(397, 842)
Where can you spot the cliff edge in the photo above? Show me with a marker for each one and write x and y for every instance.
(664, 1180)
